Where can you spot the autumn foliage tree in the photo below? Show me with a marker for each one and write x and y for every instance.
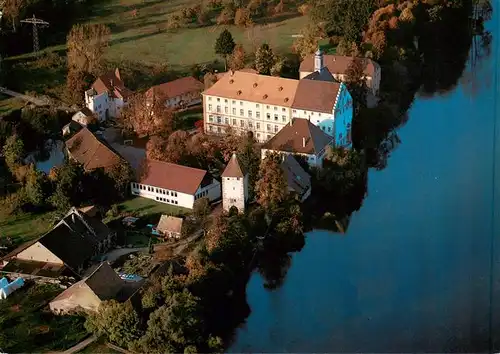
(146, 115)
(242, 18)
(237, 60)
(86, 44)
(271, 187)
(12, 10)
(264, 59)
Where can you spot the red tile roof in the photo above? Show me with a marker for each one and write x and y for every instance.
(171, 176)
(176, 88)
(233, 168)
(317, 96)
(111, 83)
(301, 136)
(91, 152)
(337, 64)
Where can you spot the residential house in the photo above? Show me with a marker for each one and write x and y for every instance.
(66, 250)
(298, 180)
(170, 226)
(100, 285)
(84, 117)
(86, 148)
(262, 104)
(300, 138)
(337, 65)
(107, 96)
(175, 184)
(234, 186)
(179, 93)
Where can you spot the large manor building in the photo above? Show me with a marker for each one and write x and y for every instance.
(246, 101)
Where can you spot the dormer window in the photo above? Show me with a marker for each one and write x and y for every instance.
(255, 85)
(231, 81)
(280, 88)
(286, 99)
(239, 92)
(265, 96)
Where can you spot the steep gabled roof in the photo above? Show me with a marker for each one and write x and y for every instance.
(233, 168)
(337, 64)
(91, 152)
(171, 176)
(297, 179)
(111, 82)
(176, 88)
(317, 96)
(300, 136)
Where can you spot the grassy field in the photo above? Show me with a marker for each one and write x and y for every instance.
(27, 326)
(141, 207)
(25, 227)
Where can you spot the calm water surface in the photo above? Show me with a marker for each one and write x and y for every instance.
(413, 272)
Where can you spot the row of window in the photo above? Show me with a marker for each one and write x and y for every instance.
(284, 118)
(234, 122)
(165, 200)
(250, 112)
(221, 130)
(153, 189)
(201, 195)
(241, 104)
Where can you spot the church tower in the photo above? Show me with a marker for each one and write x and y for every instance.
(234, 186)
(318, 60)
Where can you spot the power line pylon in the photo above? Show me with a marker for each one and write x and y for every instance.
(35, 22)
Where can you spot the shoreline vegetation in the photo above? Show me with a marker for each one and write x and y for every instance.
(197, 306)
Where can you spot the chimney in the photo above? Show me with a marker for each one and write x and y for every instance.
(303, 142)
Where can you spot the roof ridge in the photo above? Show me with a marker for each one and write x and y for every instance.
(176, 164)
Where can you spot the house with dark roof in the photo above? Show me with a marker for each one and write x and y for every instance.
(174, 184)
(298, 180)
(180, 93)
(100, 285)
(66, 250)
(234, 185)
(246, 101)
(90, 151)
(300, 138)
(107, 96)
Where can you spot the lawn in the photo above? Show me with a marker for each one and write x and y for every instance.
(27, 326)
(143, 207)
(25, 227)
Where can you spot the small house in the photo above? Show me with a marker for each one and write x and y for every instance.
(170, 226)
(179, 93)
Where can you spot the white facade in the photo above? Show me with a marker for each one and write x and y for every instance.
(211, 191)
(102, 105)
(313, 160)
(234, 192)
(242, 116)
(186, 100)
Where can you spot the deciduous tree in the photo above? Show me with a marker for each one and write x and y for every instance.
(121, 174)
(37, 186)
(271, 187)
(264, 59)
(242, 18)
(237, 60)
(308, 42)
(224, 44)
(13, 152)
(12, 10)
(76, 83)
(86, 44)
(356, 81)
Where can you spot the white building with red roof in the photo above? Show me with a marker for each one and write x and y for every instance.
(107, 96)
(183, 92)
(234, 186)
(175, 184)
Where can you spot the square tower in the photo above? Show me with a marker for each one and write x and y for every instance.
(234, 186)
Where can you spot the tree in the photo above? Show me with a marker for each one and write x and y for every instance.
(36, 186)
(13, 152)
(271, 187)
(86, 44)
(69, 187)
(121, 174)
(201, 208)
(225, 45)
(249, 156)
(277, 68)
(12, 10)
(356, 81)
(172, 150)
(76, 83)
(264, 59)
(146, 114)
(242, 18)
(209, 80)
(117, 321)
(237, 61)
(308, 42)
(226, 16)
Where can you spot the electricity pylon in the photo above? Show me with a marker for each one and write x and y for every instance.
(35, 22)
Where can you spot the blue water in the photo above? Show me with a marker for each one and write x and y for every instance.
(413, 273)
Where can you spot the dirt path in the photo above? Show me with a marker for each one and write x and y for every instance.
(81, 345)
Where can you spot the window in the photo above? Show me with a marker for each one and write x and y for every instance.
(329, 129)
(218, 109)
(257, 114)
(304, 112)
(250, 124)
(218, 99)
(258, 125)
(275, 108)
(258, 135)
(234, 121)
(269, 127)
(268, 136)
(268, 116)
(283, 118)
(225, 101)
(219, 119)
(210, 118)
(234, 111)
(242, 112)
(267, 107)
(250, 114)
(209, 107)
(210, 128)
(234, 102)
(210, 98)
(168, 193)
(319, 114)
(276, 117)
(226, 110)
(312, 113)
(242, 123)
(294, 111)
(275, 128)
(257, 105)
(226, 120)
(283, 110)
(241, 103)
(218, 130)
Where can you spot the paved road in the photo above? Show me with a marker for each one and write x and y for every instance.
(81, 345)
(34, 100)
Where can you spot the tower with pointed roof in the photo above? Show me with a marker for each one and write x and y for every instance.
(318, 60)
(234, 186)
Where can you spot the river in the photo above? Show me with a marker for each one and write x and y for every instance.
(413, 272)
